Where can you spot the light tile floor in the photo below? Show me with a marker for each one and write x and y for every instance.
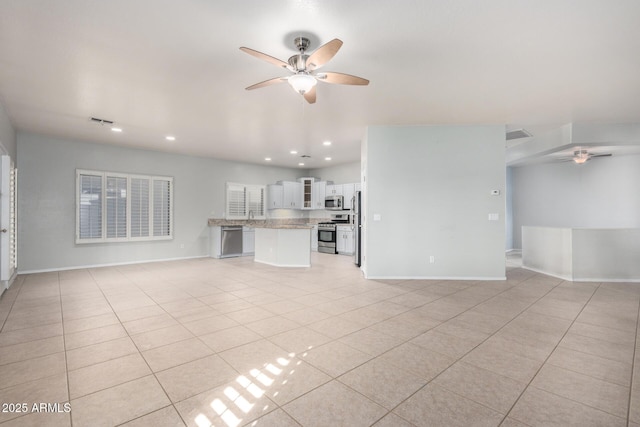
(231, 342)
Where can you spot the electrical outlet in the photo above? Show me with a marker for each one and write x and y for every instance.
(432, 259)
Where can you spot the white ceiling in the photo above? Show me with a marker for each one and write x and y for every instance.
(159, 67)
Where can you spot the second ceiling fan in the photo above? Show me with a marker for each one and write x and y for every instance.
(305, 68)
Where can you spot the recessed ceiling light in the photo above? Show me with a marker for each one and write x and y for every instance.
(300, 164)
(327, 158)
(268, 159)
(327, 143)
(293, 152)
(116, 129)
(170, 138)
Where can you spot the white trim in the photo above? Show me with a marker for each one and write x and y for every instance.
(583, 279)
(546, 273)
(283, 265)
(104, 176)
(114, 264)
(434, 278)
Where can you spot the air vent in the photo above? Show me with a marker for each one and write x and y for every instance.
(101, 121)
(517, 134)
(305, 156)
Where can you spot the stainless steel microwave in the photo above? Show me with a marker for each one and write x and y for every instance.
(334, 203)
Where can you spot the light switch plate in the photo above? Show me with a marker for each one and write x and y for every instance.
(377, 217)
(494, 217)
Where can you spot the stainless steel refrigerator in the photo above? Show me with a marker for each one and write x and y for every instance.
(357, 227)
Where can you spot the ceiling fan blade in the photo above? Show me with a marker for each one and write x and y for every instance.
(265, 57)
(602, 155)
(267, 83)
(341, 79)
(323, 54)
(310, 96)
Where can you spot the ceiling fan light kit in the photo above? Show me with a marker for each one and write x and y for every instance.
(305, 77)
(302, 82)
(582, 156)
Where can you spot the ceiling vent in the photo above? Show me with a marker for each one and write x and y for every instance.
(517, 134)
(305, 156)
(101, 121)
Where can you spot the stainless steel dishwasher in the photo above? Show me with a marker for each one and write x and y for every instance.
(231, 244)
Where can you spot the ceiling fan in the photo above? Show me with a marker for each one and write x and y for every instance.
(582, 156)
(305, 68)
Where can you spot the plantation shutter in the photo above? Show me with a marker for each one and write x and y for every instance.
(116, 207)
(236, 206)
(256, 201)
(90, 207)
(162, 207)
(139, 196)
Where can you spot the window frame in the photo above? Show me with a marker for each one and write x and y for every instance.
(231, 191)
(104, 175)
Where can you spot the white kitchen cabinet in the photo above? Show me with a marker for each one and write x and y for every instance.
(319, 193)
(308, 196)
(347, 194)
(248, 240)
(344, 240)
(292, 195)
(334, 190)
(275, 194)
(314, 238)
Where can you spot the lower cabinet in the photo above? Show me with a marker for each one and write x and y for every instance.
(248, 240)
(344, 240)
(314, 238)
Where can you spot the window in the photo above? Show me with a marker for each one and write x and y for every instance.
(113, 207)
(245, 201)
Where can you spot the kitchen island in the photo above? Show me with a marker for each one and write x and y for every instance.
(281, 243)
(283, 246)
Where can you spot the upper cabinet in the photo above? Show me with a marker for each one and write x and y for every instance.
(292, 197)
(348, 190)
(334, 190)
(308, 198)
(319, 193)
(275, 194)
(307, 194)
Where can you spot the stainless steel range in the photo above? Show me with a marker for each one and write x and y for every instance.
(327, 237)
(327, 233)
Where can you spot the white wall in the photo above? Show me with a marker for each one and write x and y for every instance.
(46, 208)
(341, 174)
(601, 193)
(508, 244)
(7, 135)
(431, 186)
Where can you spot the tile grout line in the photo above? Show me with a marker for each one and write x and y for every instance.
(547, 358)
(485, 340)
(200, 358)
(633, 367)
(139, 353)
(64, 346)
(389, 411)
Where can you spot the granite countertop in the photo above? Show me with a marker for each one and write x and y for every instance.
(292, 223)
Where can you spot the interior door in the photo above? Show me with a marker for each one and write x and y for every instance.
(8, 243)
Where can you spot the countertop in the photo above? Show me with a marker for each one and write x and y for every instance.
(269, 223)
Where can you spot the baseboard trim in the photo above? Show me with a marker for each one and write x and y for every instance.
(584, 279)
(484, 279)
(115, 264)
(280, 265)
